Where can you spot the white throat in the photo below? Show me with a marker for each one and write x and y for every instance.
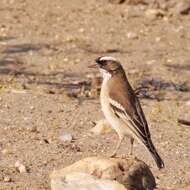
(106, 75)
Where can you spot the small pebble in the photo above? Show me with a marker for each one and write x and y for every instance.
(188, 103)
(154, 13)
(157, 39)
(25, 118)
(75, 147)
(132, 35)
(32, 107)
(7, 179)
(66, 137)
(65, 59)
(150, 62)
(169, 60)
(81, 30)
(6, 151)
(20, 167)
(32, 128)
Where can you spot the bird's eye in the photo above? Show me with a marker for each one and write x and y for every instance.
(102, 63)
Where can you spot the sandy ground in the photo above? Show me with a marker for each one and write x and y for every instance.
(45, 45)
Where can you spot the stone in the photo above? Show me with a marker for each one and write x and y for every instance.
(83, 181)
(153, 14)
(132, 35)
(66, 137)
(20, 167)
(188, 103)
(158, 39)
(128, 172)
(32, 128)
(101, 127)
(7, 179)
(6, 151)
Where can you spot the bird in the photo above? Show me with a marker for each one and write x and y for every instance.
(122, 108)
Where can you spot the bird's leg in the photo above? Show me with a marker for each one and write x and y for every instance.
(117, 147)
(132, 142)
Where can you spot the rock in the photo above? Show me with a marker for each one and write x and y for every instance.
(188, 103)
(81, 30)
(132, 35)
(151, 62)
(158, 39)
(154, 13)
(66, 137)
(101, 127)
(6, 151)
(32, 128)
(83, 181)
(130, 172)
(182, 7)
(7, 179)
(20, 167)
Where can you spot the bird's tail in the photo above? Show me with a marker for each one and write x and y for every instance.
(155, 155)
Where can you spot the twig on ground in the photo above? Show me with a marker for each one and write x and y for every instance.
(183, 121)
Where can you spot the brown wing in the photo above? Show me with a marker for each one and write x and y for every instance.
(128, 108)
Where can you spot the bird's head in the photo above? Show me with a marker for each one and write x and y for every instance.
(108, 66)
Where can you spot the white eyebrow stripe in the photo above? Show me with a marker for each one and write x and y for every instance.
(107, 58)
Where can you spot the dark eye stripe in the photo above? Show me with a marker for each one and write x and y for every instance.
(98, 60)
(101, 62)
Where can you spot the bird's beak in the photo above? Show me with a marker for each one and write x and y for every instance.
(93, 66)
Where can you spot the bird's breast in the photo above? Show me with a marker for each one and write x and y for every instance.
(106, 100)
(110, 116)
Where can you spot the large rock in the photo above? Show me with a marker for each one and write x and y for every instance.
(83, 181)
(96, 173)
